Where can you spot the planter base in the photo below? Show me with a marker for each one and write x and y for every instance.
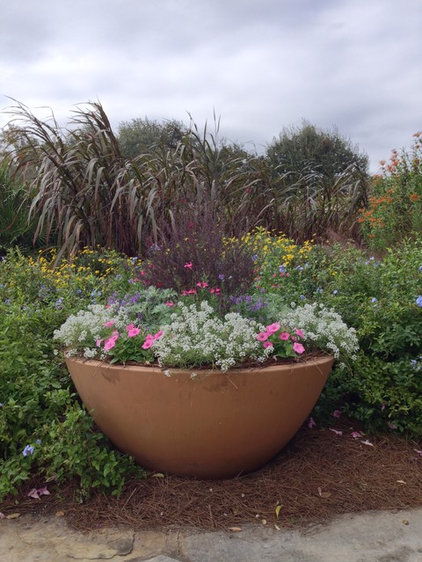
(206, 424)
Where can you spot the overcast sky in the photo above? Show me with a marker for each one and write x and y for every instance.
(261, 65)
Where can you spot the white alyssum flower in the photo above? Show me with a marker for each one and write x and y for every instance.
(324, 329)
(196, 337)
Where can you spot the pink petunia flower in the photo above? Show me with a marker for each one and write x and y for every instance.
(133, 332)
(300, 333)
(188, 265)
(169, 303)
(267, 344)
(147, 343)
(109, 343)
(262, 336)
(273, 328)
(217, 291)
(202, 285)
(98, 343)
(158, 335)
(298, 347)
(109, 324)
(284, 336)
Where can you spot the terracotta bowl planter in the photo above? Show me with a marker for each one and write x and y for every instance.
(212, 425)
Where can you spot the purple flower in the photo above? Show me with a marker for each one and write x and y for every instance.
(28, 450)
(373, 299)
(419, 301)
(281, 269)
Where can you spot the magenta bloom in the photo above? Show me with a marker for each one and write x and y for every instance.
(188, 265)
(169, 303)
(262, 336)
(336, 414)
(149, 340)
(190, 292)
(298, 347)
(202, 285)
(284, 336)
(267, 344)
(109, 324)
(158, 335)
(109, 343)
(98, 343)
(273, 328)
(133, 332)
(300, 333)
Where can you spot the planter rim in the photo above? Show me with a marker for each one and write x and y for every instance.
(316, 360)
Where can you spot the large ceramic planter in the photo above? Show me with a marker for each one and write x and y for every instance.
(212, 425)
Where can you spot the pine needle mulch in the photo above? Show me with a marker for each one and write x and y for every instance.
(320, 474)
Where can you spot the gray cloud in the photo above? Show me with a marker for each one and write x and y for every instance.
(261, 65)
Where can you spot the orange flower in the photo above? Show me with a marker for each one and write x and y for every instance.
(413, 197)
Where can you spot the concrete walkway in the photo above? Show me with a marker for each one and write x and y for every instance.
(367, 537)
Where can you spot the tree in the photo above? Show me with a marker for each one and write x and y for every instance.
(144, 136)
(311, 150)
(321, 181)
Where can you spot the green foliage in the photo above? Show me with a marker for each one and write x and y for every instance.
(395, 207)
(146, 136)
(39, 409)
(378, 298)
(14, 206)
(314, 150)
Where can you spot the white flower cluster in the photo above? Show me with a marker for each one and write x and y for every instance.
(196, 337)
(323, 329)
(81, 330)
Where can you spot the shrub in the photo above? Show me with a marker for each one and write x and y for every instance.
(395, 207)
(44, 430)
(379, 298)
